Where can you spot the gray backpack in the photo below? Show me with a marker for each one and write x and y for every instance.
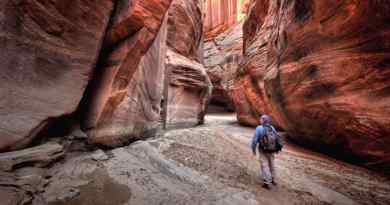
(269, 142)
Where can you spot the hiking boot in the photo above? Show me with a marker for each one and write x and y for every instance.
(266, 186)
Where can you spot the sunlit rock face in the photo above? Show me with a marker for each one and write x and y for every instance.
(188, 91)
(220, 15)
(188, 87)
(222, 58)
(123, 101)
(47, 53)
(223, 45)
(185, 28)
(321, 69)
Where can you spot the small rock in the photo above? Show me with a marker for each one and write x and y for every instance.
(69, 195)
(99, 155)
(79, 134)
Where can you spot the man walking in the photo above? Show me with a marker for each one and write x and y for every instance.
(269, 143)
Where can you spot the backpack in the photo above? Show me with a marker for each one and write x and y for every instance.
(269, 143)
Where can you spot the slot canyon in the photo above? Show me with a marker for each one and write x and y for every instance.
(156, 101)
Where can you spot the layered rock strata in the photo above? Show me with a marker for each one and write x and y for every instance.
(188, 91)
(321, 69)
(220, 15)
(48, 50)
(187, 86)
(222, 58)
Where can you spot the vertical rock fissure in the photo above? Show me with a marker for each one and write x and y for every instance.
(97, 75)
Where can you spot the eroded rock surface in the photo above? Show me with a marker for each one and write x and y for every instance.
(223, 55)
(185, 29)
(122, 103)
(187, 85)
(220, 15)
(48, 50)
(209, 164)
(321, 69)
(40, 156)
(188, 91)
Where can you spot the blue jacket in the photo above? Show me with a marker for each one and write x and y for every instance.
(259, 133)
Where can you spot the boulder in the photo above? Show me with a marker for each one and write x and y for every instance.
(321, 69)
(47, 53)
(188, 91)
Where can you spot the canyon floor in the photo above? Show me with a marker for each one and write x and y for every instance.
(208, 164)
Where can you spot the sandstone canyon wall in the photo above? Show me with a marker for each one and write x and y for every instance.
(222, 58)
(223, 48)
(321, 69)
(51, 51)
(188, 87)
(220, 15)
(48, 51)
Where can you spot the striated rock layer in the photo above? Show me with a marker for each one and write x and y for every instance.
(47, 52)
(321, 69)
(220, 15)
(93, 57)
(185, 29)
(134, 111)
(122, 102)
(223, 55)
(188, 91)
(187, 86)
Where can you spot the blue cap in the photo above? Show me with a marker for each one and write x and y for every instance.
(265, 118)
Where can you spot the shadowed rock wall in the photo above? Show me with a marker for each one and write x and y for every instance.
(47, 54)
(321, 69)
(51, 51)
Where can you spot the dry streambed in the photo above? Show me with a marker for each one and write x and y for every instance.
(210, 164)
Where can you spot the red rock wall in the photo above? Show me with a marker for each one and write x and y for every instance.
(122, 103)
(134, 112)
(321, 69)
(51, 51)
(185, 29)
(47, 53)
(222, 58)
(187, 85)
(188, 91)
(222, 14)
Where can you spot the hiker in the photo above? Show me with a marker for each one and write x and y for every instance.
(269, 143)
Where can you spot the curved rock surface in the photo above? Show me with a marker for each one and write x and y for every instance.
(47, 53)
(122, 101)
(222, 58)
(321, 69)
(57, 46)
(187, 85)
(220, 15)
(188, 91)
(185, 29)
